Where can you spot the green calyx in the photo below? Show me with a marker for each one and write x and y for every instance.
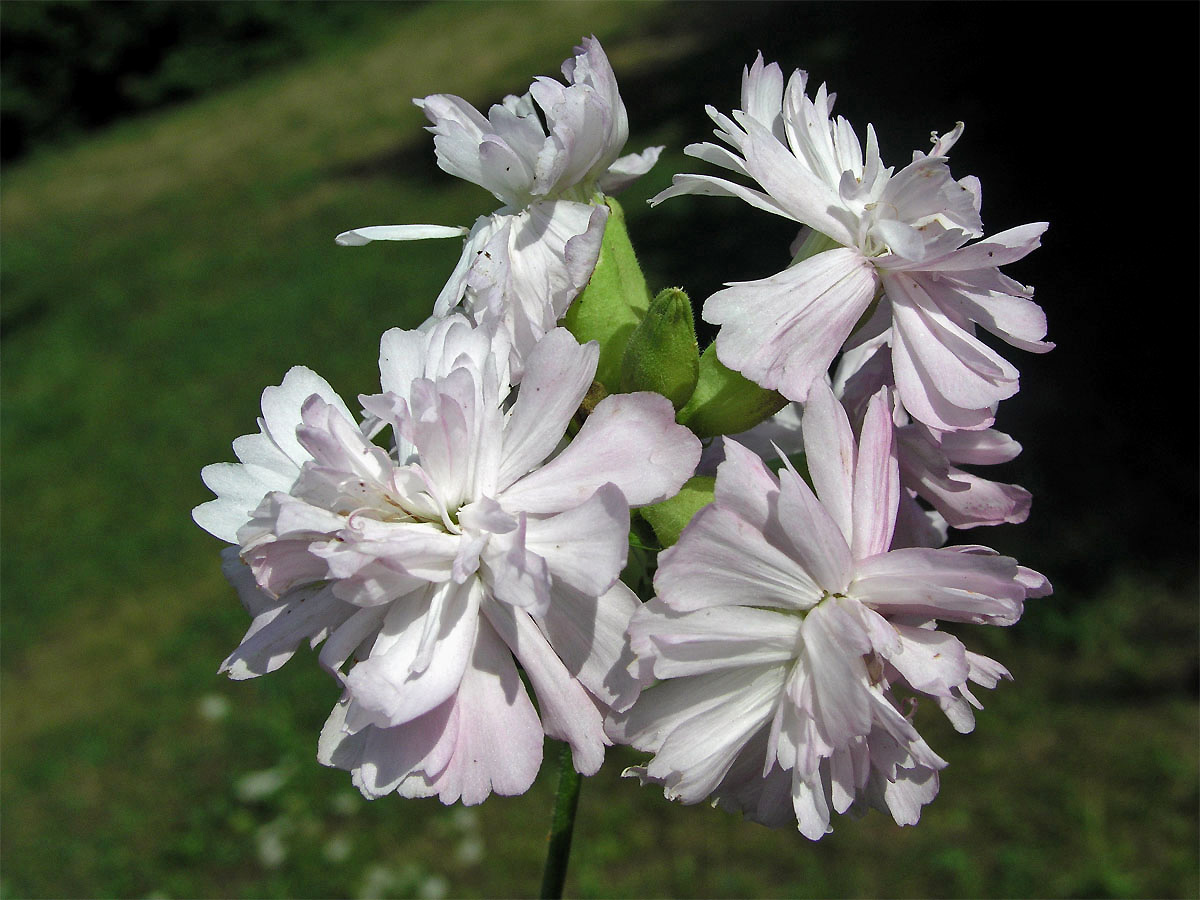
(662, 354)
(614, 302)
(726, 402)
(670, 517)
(813, 244)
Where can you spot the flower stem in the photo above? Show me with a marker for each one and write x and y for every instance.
(558, 848)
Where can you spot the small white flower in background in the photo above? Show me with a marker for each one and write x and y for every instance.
(272, 846)
(256, 786)
(338, 848)
(523, 265)
(474, 540)
(899, 238)
(213, 707)
(784, 625)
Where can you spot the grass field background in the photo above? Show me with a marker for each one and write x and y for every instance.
(156, 275)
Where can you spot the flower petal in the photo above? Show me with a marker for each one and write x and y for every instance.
(783, 332)
(876, 481)
(585, 547)
(567, 711)
(275, 633)
(357, 237)
(697, 726)
(713, 638)
(721, 560)
(497, 746)
(817, 543)
(558, 372)
(943, 584)
(630, 440)
(387, 688)
(830, 454)
(588, 634)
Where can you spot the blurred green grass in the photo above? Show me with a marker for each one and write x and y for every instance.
(155, 278)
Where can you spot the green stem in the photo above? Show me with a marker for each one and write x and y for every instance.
(558, 849)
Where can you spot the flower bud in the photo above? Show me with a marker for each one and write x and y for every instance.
(726, 402)
(662, 354)
(614, 301)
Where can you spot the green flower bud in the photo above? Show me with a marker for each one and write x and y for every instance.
(670, 517)
(614, 301)
(662, 354)
(726, 402)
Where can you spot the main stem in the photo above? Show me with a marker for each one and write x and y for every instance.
(558, 850)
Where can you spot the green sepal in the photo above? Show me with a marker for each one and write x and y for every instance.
(813, 244)
(614, 301)
(671, 516)
(726, 402)
(662, 354)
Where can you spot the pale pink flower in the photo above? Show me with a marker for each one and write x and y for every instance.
(427, 568)
(929, 459)
(784, 628)
(896, 238)
(522, 266)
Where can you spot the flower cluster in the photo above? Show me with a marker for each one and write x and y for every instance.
(459, 541)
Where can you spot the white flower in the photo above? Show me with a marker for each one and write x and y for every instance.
(899, 238)
(425, 569)
(784, 626)
(523, 265)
